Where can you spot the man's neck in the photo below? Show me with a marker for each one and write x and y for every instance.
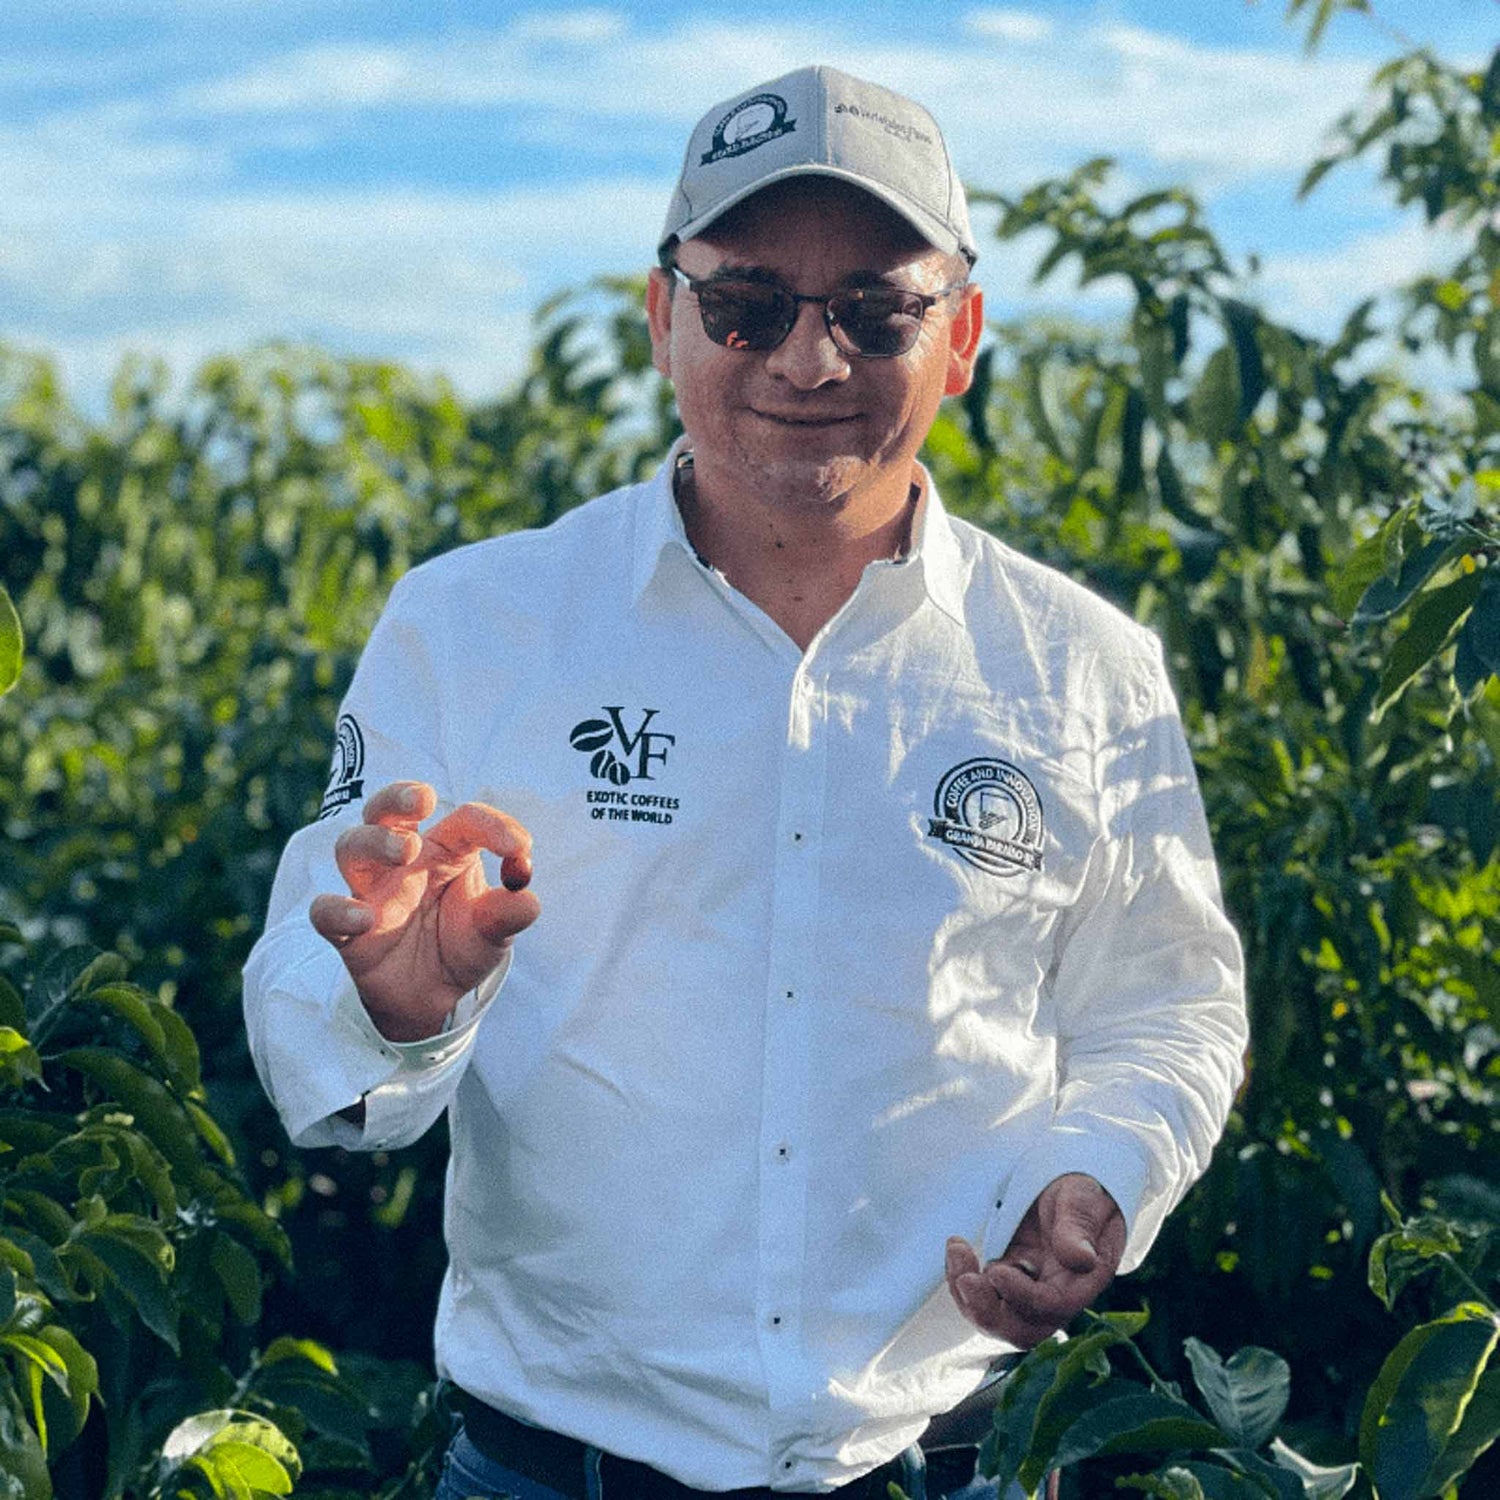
(799, 566)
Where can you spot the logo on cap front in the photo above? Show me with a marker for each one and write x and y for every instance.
(751, 123)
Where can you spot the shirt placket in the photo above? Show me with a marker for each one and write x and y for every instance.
(791, 976)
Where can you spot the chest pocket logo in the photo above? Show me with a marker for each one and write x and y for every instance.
(617, 754)
(989, 813)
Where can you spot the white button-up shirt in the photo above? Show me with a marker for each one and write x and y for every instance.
(841, 952)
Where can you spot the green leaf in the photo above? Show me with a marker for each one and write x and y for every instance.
(12, 1006)
(1432, 623)
(233, 1448)
(140, 1274)
(1247, 1395)
(1132, 475)
(1477, 1430)
(1418, 1400)
(103, 969)
(1386, 595)
(244, 1468)
(286, 1348)
(1145, 1423)
(1275, 1482)
(133, 1005)
(1169, 486)
(12, 643)
(39, 1353)
(184, 1065)
(82, 1376)
(1478, 654)
(23, 1464)
(46, 1267)
(1008, 1444)
(1406, 1252)
(1318, 1483)
(331, 1405)
(1167, 1484)
(208, 1128)
(1214, 405)
(238, 1274)
(18, 1058)
(1075, 1387)
(1358, 571)
(1036, 408)
(156, 1112)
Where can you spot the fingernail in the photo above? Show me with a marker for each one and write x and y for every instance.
(361, 919)
(950, 1258)
(515, 873)
(408, 799)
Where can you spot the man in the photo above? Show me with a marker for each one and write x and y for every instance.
(879, 1004)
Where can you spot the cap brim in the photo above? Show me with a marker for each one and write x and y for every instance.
(933, 230)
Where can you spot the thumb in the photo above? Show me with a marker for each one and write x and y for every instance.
(1076, 1226)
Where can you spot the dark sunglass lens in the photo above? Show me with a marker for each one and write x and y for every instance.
(745, 315)
(877, 324)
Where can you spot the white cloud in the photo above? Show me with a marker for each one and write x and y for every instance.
(1010, 25)
(576, 27)
(1318, 290)
(444, 281)
(1216, 115)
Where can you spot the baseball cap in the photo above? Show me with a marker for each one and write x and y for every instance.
(819, 122)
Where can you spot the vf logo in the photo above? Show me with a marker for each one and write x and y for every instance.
(617, 754)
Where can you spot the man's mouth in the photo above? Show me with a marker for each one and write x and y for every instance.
(805, 419)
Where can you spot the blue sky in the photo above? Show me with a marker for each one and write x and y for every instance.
(188, 177)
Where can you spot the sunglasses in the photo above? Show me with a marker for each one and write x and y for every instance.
(875, 322)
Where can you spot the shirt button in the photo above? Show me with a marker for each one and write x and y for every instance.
(783, 1152)
(791, 994)
(796, 838)
(775, 1320)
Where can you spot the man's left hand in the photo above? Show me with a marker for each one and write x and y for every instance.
(1061, 1257)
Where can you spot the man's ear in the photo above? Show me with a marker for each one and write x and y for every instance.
(964, 334)
(659, 319)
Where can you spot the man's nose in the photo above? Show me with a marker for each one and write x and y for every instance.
(808, 356)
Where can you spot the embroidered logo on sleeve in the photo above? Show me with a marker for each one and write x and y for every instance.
(989, 812)
(346, 784)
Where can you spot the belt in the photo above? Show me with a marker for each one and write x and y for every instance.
(558, 1461)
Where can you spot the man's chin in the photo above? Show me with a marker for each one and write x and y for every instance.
(814, 484)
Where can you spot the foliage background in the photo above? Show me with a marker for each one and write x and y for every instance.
(1313, 534)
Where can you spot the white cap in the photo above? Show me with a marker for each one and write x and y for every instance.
(818, 122)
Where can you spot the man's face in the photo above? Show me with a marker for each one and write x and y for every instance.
(805, 424)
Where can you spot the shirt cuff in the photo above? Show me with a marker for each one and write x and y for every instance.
(1116, 1163)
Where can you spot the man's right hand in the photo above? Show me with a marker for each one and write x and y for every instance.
(422, 925)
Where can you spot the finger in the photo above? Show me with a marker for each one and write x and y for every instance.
(500, 914)
(1087, 1229)
(477, 825)
(980, 1303)
(366, 853)
(1073, 1244)
(402, 802)
(340, 919)
(959, 1257)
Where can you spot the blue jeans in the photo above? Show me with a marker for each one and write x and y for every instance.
(469, 1475)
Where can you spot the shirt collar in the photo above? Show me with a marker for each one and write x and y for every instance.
(659, 531)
